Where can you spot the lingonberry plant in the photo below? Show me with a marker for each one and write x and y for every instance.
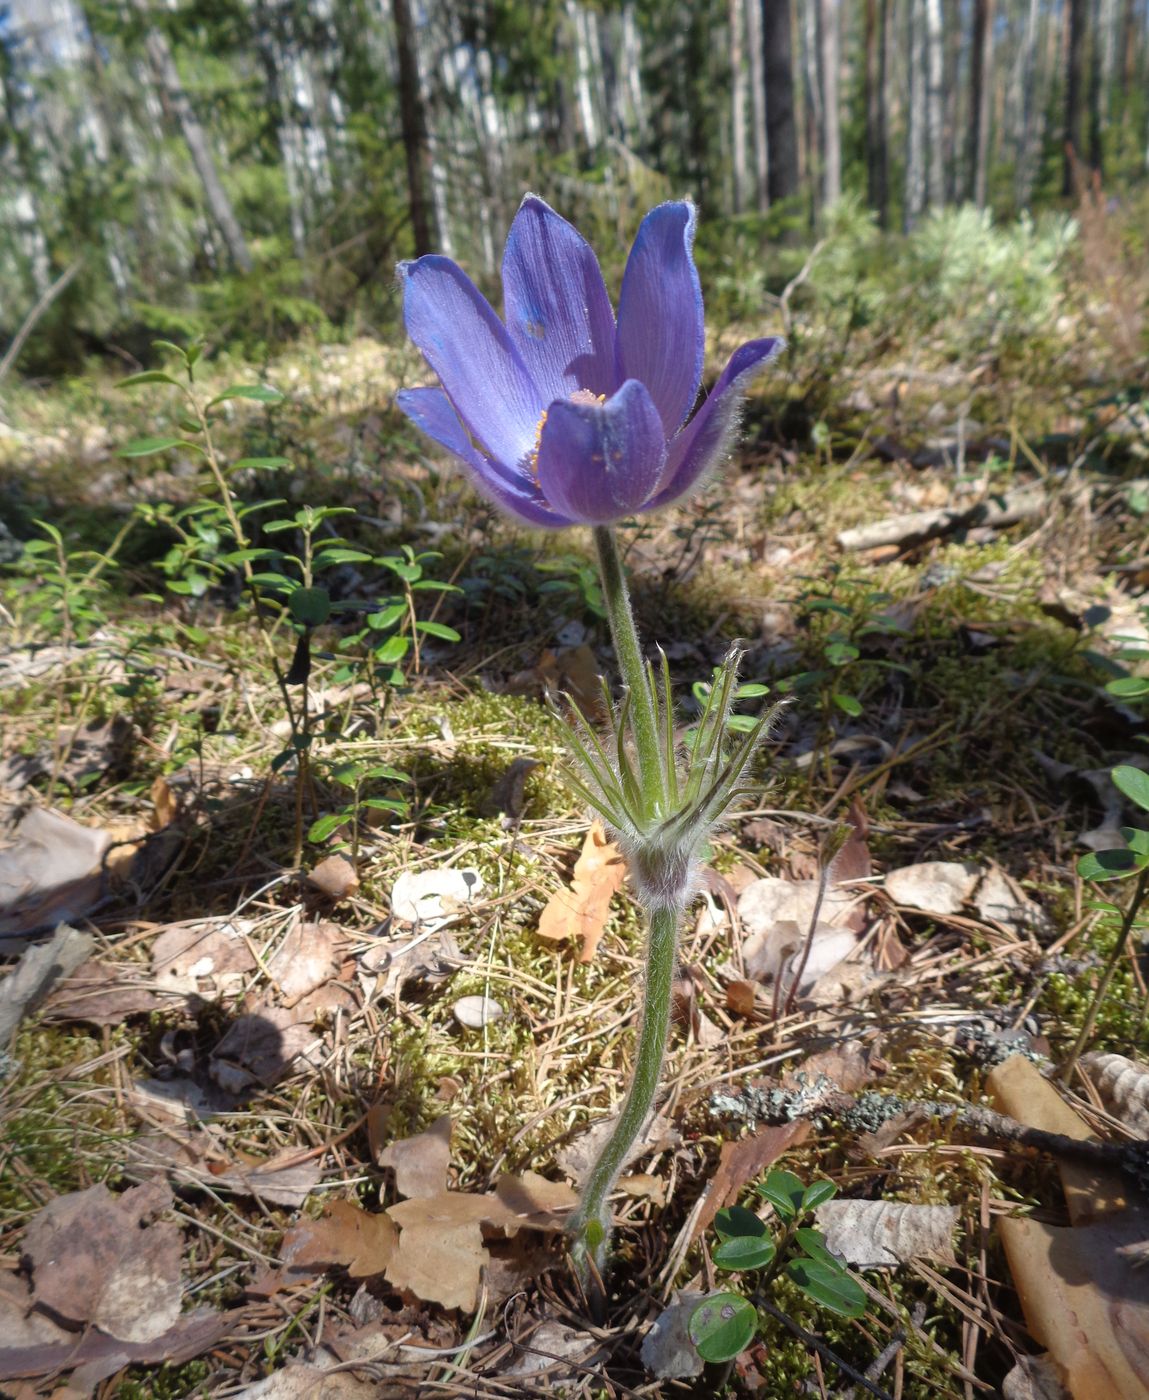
(560, 416)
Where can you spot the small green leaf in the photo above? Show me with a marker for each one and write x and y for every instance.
(784, 1192)
(742, 1252)
(1138, 840)
(841, 653)
(326, 557)
(258, 393)
(438, 629)
(850, 703)
(393, 649)
(1129, 688)
(812, 1242)
(320, 830)
(722, 1326)
(829, 1285)
(817, 1192)
(261, 464)
(147, 447)
(736, 1222)
(388, 617)
(1133, 783)
(1108, 865)
(149, 376)
(385, 804)
(310, 606)
(384, 770)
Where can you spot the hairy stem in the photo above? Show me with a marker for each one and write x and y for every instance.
(590, 1225)
(628, 652)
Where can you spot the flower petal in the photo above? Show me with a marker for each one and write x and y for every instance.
(599, 462)
(660, 329)
(702, 443)
(467, 346)
(430, 410)
(557, 310)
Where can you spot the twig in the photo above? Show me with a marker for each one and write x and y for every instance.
(47, 297)
(795, 282)
(818, 1345)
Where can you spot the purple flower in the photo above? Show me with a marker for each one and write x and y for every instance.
(560, 416)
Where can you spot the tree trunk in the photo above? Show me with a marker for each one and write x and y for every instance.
(915, 199)
(1096, 86)
(1074, 88)
(167, 75)
(877, 150)
(951, 98)
(738, 109)
(812, 106)
(413, 120)
(935, 126)
(1027, 68)
(757, 100)
(828, 18)
(781, 126)
(980, 91)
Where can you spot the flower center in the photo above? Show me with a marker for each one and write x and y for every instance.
(579, 396)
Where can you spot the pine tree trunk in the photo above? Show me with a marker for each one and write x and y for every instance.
(781, 123)
(1027, 69)
(738, 108)
(980, 90)
(812, 106)
(413, 120)
(915, 199)
(1074, 88)
(935, 126)
(167, 76)
(877, 149)
(831, 116)
(1096, 84)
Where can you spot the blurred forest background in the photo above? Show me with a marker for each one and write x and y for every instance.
(256, 167)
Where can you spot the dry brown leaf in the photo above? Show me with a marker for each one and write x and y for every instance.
(740, 997)
(309, 956)
(580, 1154)
(581, 911)
(1124, 1088)
(508, 795)
(880, 1234)
(1034, 1378)
(343, 1237)
(740, 1162)
(260, 1048)
(934, 886)
(440, 1255)
(397, 961)
(95, 1260)
(39, 969)
(572, 671)
(533, 1201)
(420, 1163)
(204, 957)
(104, 994)
(335, 877)
(51, 872)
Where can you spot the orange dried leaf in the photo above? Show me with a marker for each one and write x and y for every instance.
(581, 911)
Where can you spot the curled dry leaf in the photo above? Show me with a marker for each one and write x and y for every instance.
(934, 886)
(433, 894)
(581, 911)
(508, 795)
(343, 1237)
(1124, 1088)
(259, 1049)
(204, 957)
(740, 1162)
(423, 958)
(880, 1234)
(309, 957)
(39, 969)
(51, 872)
(667, 1351)
(580, 1154)
(420, 1163)
(96, 1260)
(335, 878)
(104, 994)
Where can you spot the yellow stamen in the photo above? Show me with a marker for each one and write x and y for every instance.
(579, 396)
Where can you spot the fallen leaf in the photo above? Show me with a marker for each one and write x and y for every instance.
(1124, 1088)
(880, 1234)
(91, 750)
(667, 1351)
(1034, 1378)
(476, 1012)
(934, 886)
(426, 958)
(204, 957)
(531, 1200)
(1004, 901)
(550, 1344)
(300, 1381)
(440, 1254)
(742, 1161)
(94, 1260)
(343, 1237)
(51, 873)
(259, 1049)
(508, 795)
(104, 994)
(581, 911)
(846, 1065)
(740, 997)
(309, 956)
(420, 1163)
(335, 878)
(20, 1325)
(572, 671)
(433, 894)
(39, 969)
(579, 1155)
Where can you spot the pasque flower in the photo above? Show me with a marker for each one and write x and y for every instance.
(561, 416)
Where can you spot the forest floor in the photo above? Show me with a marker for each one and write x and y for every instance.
(296, 1103)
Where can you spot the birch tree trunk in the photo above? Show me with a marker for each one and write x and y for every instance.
(757, 101)
(167, 76)
(413, 121)
(812, 109)
(935, 124)
(781, 121)
(741, 174)
(980, 93)
(831, 115)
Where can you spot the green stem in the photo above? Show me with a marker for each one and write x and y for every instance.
(590, 1224)
(635, 676)
(1107, 976)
